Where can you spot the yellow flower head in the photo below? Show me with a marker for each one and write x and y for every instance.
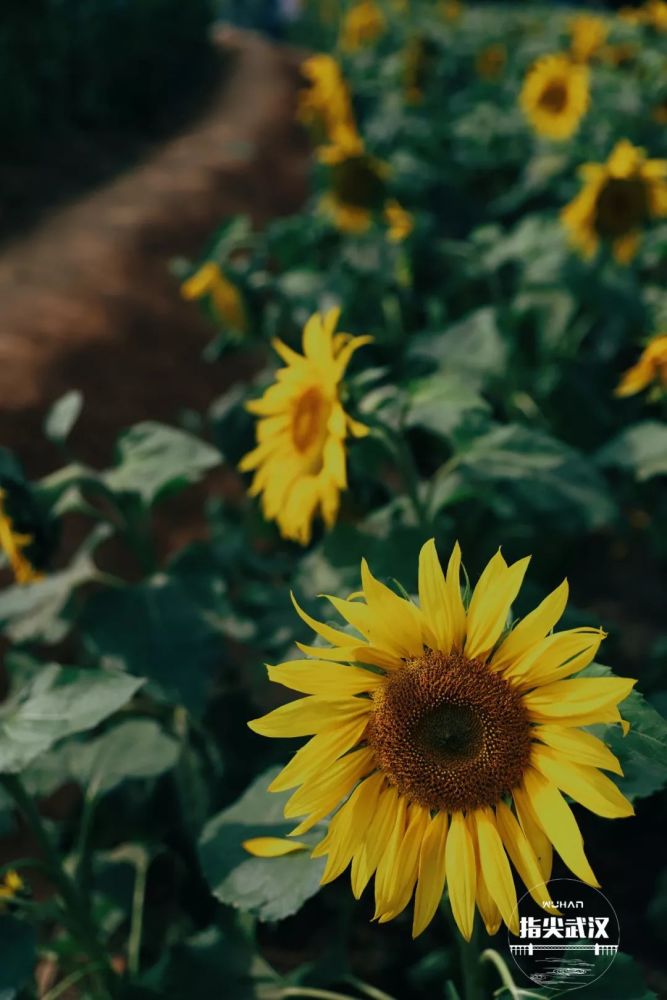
(616, 201)
(325, 103)
(11, 885)
(490, 61)
(226, 298)
(655, 14)
(445, 742)
(451, 10)
(555, 96)
(650, 369)
(14, 544)
(356, 182)
(362, 25)
(632, 15)
(299, 462)
(588, 34)
(620, 54)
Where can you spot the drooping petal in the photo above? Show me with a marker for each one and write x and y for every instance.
(585, 785)
(407, 863)
(558, 656)
(326, 632)
(306, 716)
(541, 845)
(387, 874)
(326, 790)
(348, 827)
(558, 822)
(319, 753)
(579, 746)
(582, 701)
(366, 859)
(495, 867)
(432, 872)
(521, 854)
(272, 847)
(461, 873)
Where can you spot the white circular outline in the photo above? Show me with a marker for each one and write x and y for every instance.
(546, 884)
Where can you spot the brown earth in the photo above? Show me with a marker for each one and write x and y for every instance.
(87, 299)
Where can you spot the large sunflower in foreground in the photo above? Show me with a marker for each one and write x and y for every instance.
(445, 743)
(555, 96)
(617, 200)
(299, 461)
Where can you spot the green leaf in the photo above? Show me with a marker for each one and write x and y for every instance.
(270, 888)
(34, 612)
(641, 449)
(62, 416)
(57, 702)
(154, 460)
(138, 748)
(439, 403)
(18, 954)
(155, 629)
(643, 752)
(473, 348)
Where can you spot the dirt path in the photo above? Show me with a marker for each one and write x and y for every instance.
(86, 299)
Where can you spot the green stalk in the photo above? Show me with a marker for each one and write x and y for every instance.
(469, 958)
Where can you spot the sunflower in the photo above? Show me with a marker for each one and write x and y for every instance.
(588, 34)
(451, 10)
(325, 103)
(617, 200)
(357, 181)
(651, 368)
(443, 742)
(362, 25)
(399, 221)
(299, 461)
(225, 296)
(655, 14)
(555, 96)
(419, 61)
(490, 61)
(14, 545)
(11, 885)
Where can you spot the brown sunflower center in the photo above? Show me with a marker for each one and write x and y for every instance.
(449, 733)
(308, 419)
(356, 181)
(554, 97)
(622, 205)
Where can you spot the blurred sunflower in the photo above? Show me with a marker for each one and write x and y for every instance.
(299, 461)
(445, 741)
(225, 296)
(617, 200)
(588, 34)
(324, 103)
(655, 14)
(399, 221)
(357, 188)
(451, 10)
(10, 885)
(490, 61)
(14, 544)
(650, 369)
(362, 25)
(418, 64)
(555, 96)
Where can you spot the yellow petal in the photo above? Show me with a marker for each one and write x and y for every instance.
(535, 835)
(366, 859)
(495, 867)
(354, 654)
(558, 656)
(558, 822)
(387, 874)
(585, 785)
(322, 678)
(531, 629)
(486, 905)
(407, 863)
(579, 746)
(326, 632)
(431, 878)
(306, 716)
(272, 847)
(577, 702)
(491, 602)
(325, 791)
(397, 618)
(456, 605)
(434, 597)
(319, 753)
(521, 854)
(461, 874)
(348, 828)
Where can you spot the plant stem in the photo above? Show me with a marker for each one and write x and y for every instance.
(74, 977)
(77, 913)
(370, 991)
(137, 920)
(505, 975)
(469, 959)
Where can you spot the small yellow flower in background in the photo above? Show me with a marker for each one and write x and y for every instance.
(632, 15)
(445, 744)
(362, 25)
(418, 62)
(655, 14)
(620, 54)
(490, 61)
(13, 544)
(555, 96)
(209, 280)
(11, 885)
(399, 220)
(357, 182)
(451, 10)
(617, 200)
(588, 34)
(300, 460)
(651, 369)
(325, 103)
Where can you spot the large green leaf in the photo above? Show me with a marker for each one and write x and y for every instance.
(137, 748)
(57, 702)
(271, 888)
(473, 348)
(154, 460)
(440, 402)
(154, 629)
(641, 449)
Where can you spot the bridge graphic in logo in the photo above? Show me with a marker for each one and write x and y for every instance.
(594, 946)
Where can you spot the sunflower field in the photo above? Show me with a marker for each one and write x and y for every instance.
(413, 668)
